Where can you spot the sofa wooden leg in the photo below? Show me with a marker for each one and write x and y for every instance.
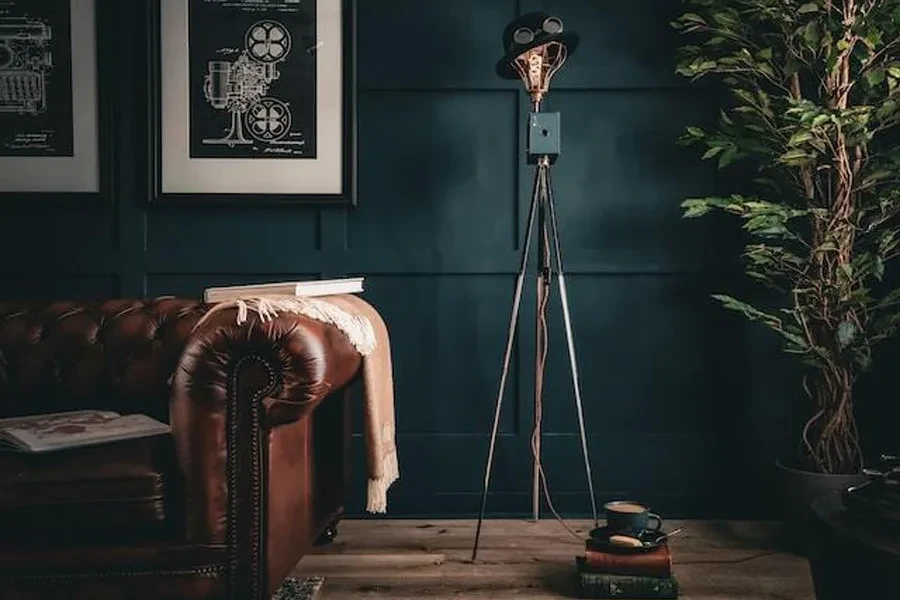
(329, 534)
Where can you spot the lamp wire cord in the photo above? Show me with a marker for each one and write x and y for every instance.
(542, 361)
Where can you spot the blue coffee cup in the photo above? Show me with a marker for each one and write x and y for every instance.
(630, 518)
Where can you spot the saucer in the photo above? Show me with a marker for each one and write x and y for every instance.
(599, 538)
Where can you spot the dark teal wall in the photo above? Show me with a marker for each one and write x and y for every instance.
(685, 405)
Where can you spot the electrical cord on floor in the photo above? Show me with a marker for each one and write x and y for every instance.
(728, 562)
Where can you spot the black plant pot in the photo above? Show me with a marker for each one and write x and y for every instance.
(798, 489)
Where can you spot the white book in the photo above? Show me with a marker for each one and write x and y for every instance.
(314, 287)
(71, 429)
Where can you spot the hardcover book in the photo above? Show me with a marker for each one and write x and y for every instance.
(594, 583)
(315, 287)
(653, 563)
(631, 587)
(58, 431)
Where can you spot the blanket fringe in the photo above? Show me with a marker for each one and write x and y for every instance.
(377, 489)
(357, 328)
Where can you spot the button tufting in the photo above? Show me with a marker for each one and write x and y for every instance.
(105, 349)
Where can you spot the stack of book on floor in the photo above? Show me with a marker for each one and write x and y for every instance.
(607, 572)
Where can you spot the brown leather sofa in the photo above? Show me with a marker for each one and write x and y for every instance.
(251, 476)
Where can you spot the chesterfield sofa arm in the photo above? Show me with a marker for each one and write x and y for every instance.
(254, 471)
(237, 380)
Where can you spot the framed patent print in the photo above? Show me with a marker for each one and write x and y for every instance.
(52, 136)
(253, 101)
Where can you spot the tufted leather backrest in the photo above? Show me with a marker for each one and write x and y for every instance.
(115, 355)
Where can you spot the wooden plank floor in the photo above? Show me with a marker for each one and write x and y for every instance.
(406, 559)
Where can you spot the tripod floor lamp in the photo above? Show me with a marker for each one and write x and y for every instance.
(536, 47)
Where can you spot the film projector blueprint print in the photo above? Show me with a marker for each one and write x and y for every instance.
(35, 78)
(253, 70)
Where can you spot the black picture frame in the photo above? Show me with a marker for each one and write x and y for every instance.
(346, 197)
(103, 91)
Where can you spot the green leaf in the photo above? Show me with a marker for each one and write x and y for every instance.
(847, 270)
(765, 69)
(749, 311)
(727, 157)
(864, 361)
(875, 77)
(696, 131)
(886, 109)
(765, 225)
(872, 38)
(811, 34)
(832, 59)
(877, 176)
(887, 241)
(692, 18)
(890, 299)
(800, 137)
(846, 333)
(695, 207)
(795, 157)
(809, 7)
(711, 152)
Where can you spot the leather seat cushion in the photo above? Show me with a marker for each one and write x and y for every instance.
(101, 493)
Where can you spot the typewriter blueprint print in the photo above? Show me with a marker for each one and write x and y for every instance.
(36, 78)
(252, 78)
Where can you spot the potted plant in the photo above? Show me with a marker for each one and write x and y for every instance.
(813, 110)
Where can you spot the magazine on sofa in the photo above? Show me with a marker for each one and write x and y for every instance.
(58, 431)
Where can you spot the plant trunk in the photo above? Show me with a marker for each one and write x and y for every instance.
(830, 441)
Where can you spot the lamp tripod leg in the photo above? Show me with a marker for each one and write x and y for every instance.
(514, 314)
(570, 342)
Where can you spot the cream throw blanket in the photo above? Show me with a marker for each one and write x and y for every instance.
(367, 332)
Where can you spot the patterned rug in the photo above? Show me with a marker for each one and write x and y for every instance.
(299, 588)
